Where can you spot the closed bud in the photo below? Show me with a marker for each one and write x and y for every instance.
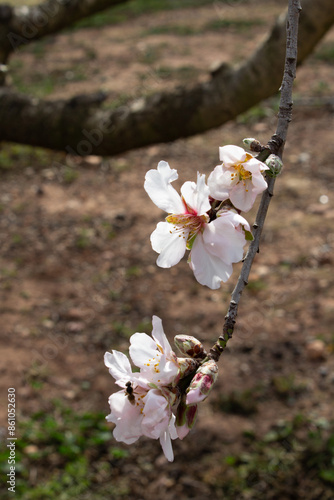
(187, 366)
(190, 346)
(202, 382)
(252, 144)
(185, 419)
(275, 165)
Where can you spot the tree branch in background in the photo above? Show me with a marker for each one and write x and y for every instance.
(22, 25)
(80, 126)
(276, 146)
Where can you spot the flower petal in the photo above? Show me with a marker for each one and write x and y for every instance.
(243, 196)
(159, 336)
(208, 269)
(222, 238)
(158, 187)
(166, 445)
(168, 366)
(165, 439)
(259, 183)
(195, 396)
(231, 154)
(142, 349)
(220, 182)
(156, 414)
(255, 166)
(169, 243)
(127, 418)
(196, 196)
(119, 367)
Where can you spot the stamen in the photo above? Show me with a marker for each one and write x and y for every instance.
(241, 172)
(188, 225)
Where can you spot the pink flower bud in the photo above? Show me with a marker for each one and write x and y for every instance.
(202, 382)
(189, 346)
(185, 419)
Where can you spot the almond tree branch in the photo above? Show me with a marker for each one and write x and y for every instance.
(22, 25)
(83, 126)
(276, 146)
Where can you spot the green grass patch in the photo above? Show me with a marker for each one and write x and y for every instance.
(235, 24)
(255, 114)
(295, 456)
(214, 25)
(17, 156)
(325, 53)
(67, 449)
(69, 175)
(121, 13)
(175, 29)
(257, 285)
(73, 455)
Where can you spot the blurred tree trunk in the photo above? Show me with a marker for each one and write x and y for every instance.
(22, 25)
(80, 126)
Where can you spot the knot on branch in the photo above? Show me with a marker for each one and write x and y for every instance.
(275, 144)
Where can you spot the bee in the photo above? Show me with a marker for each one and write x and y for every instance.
(129, 393)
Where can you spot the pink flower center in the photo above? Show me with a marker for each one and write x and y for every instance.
(187, 225)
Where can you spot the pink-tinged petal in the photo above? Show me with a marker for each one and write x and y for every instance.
(231, 155)
(196, 196)
(195, 396)
(208, 269)
(202, 383)
(127, 418)
(223, 240)
(158, 187)
(142, 349)
(156, 414)
(182, 431)
(170, 244)
(242, 195)
(119, 367)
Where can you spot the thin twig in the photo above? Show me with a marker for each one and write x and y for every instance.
(276, 146)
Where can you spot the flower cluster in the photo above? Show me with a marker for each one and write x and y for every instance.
(158, 401)
(206, 219)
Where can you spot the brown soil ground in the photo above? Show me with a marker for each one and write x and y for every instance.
(78, 275)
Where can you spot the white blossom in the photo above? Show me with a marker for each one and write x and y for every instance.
(214, 245)
(239, 178)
